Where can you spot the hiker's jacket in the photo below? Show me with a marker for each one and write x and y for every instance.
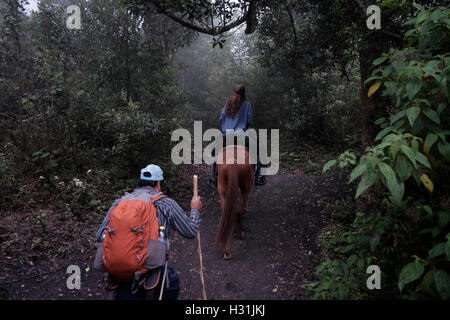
(187, 224)
(242, 119)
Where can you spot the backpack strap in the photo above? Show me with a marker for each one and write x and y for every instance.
(157, 196)
(165, 277)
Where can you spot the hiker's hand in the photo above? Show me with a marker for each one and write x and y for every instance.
(196, 203)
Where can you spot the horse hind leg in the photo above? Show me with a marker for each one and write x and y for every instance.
(243, 208)
(240, 214)
(222, 195)
(240, 232)
(227, 253)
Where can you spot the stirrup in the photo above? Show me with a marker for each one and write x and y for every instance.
(260, 181)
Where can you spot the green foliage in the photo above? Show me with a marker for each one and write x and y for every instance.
(408, 168)
(350, 250)
(103, 99)
(424, 275)
(44, 162)
(344, 161)
(412, 271)
(416, 78)
(391, 163)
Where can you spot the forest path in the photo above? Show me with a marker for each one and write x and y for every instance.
(279, 251)
(278, 254)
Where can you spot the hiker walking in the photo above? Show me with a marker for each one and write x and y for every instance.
(134, 241)
(237, 114)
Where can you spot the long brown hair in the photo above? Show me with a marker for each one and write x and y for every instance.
(236, 100)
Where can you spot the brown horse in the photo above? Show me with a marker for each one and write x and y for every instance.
(233, 175)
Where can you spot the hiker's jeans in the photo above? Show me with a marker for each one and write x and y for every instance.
(123, 291)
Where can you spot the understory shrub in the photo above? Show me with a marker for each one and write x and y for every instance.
(406, 173)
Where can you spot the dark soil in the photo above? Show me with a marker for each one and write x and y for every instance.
(278, 254)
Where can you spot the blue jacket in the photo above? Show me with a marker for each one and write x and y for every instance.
(242, 119)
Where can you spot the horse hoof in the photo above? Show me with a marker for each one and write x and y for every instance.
(227, 256)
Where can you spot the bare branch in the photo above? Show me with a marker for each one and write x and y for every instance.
(292, 22)
(213, 31)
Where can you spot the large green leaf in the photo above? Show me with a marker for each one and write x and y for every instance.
(396, 189)
(431, 139)
(358, 171)
(441, 107)
(442, 280)
(389, 174)
(444, 149)
(422, 16)
(432, 68)
(410, 22)
(412, 88)
(423, 160)
(379, 61)
(418, 126)
(398, 66)
(415, 146)
(390, 88)
(399, 115)
(411, 272)
(398, 192)
(437, 250)
(329, 165)
(409, 153)
(367, 181)
(412, 114)
(404, 168)
(436, 15)
(383, 132)
(418, 6)
(395, 148)
(390, 138)
(432, 115)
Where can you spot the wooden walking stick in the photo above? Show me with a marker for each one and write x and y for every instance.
(199, 246)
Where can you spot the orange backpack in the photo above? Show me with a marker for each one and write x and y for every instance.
(133, 224)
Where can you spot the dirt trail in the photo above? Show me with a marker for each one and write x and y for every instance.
(279, 250)
(277, 255)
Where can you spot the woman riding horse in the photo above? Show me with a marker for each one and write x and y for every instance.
(237, 114)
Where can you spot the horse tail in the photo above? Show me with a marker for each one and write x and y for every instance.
(228, 216)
